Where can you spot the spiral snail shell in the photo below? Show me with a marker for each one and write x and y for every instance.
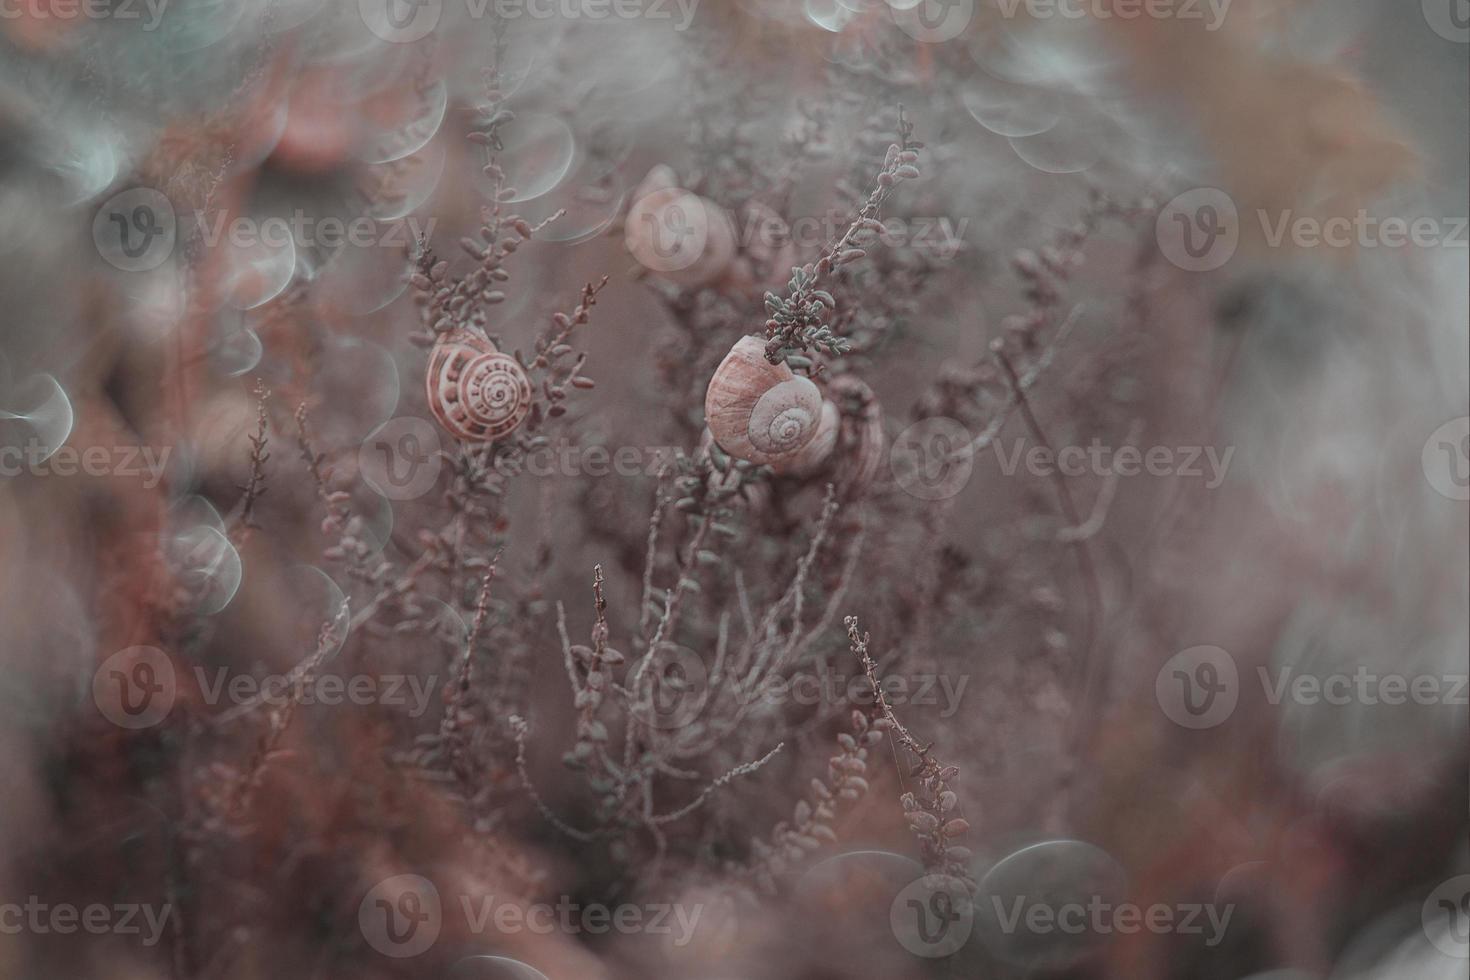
(813, 456)
(848, 446)
(759, 411)
(476, 392)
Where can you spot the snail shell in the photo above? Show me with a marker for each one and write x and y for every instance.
(759, 411)
(860, 440)
(476, 392)
(678, 234)
(813, 456)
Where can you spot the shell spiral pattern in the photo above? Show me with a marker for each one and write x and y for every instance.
(477, 393)
(758, 411)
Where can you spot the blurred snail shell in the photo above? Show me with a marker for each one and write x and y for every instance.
(476, 392)
(678, 234)
(759, 411)
(860, 439)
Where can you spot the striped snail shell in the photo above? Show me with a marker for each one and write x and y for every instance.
(477, 393)
(759, 411)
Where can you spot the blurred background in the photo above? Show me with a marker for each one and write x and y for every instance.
(1220, 684)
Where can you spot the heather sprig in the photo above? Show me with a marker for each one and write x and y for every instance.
(932, 807)
(796, 323)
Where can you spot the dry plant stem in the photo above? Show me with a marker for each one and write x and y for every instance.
(254, 487)
(520, 728)
(764, 653)
(1025, 383)
(932, 809)
(650, 559)
(280, 719)
(451, 730)
(810, 825)
(795, 321)
(1091, 527)
(1083, 688)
